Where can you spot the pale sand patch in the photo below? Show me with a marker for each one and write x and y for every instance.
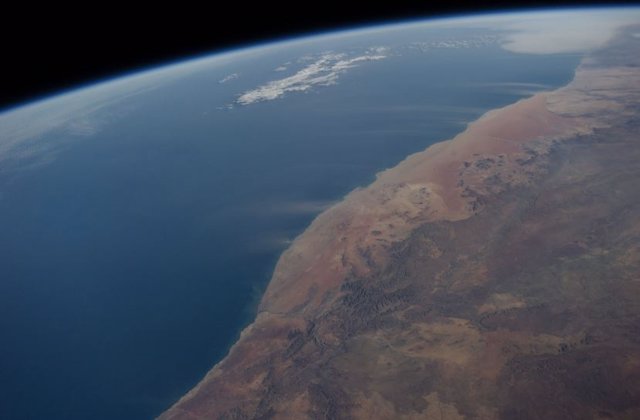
(501, 302)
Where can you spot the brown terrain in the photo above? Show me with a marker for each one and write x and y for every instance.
(492, 276)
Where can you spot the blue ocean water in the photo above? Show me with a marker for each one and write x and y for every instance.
(132, 260)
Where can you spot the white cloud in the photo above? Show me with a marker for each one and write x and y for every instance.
(83, 112)
(73, 116)
(474, 42)
(229, 78)
(515, 88)
(324, 71)
(283, 67)
(298, 207)
(565, 32)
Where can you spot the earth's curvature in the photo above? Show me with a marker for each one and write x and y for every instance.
(436, 219)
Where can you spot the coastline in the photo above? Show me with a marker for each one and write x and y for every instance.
(391, 191)
(340, 232)
(450, 181)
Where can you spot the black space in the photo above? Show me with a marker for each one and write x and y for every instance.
(47, 49)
